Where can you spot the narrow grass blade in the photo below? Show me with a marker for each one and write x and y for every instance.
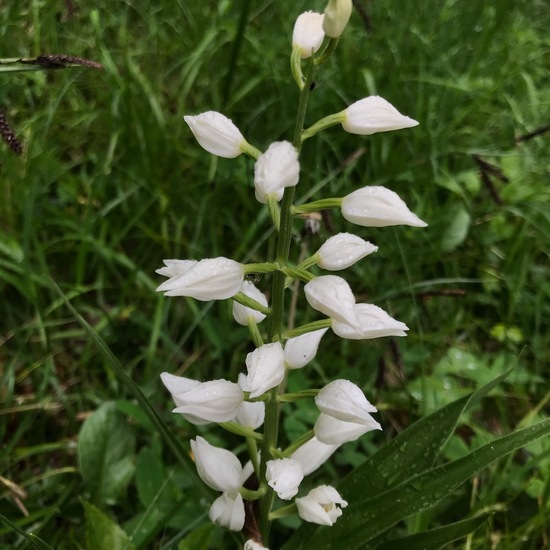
(35, 540)
(170, 439)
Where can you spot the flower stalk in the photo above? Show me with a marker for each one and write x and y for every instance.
(242, 408)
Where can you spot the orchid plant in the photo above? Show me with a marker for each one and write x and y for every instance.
(251, 405)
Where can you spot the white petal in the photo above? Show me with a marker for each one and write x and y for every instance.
(216, 133)
(301, 350)
(209, 279)
(374, 114)
(308, 33)
(284, 477)
(218, 468)
(337, 14)
(374, 322)
(332, 431)
(345, 401)
(266, 368)
(313, 454)
(175, 267)
(343, 250)
(332, 296)
(321, 505)
(276, 169)
(228, 511)
(241, 313)
(376, 206)
(214, 401)
(251, 415)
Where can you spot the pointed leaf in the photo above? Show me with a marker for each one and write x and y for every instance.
(106, 454)
(434, 539)
(413, 451)
(102, 532)
(364, 520)
(198, 539)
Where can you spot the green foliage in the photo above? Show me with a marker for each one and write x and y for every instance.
(109, 185)
(102, 532)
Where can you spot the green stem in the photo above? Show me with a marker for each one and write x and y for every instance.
(275, 329)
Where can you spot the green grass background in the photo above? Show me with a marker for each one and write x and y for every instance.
(111, 182)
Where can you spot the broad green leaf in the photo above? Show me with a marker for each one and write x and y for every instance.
(103, 533)
(159, 496)
(364, 520)
(199, 539)
(411, 453)
(437, 538)
(106, 454)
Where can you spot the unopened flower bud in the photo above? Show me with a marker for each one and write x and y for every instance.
(216, 133)
(337, 14)
(301, 350)
(208, 279)
(376, 206)
(228, 511)
(284, 476)
(276, 169)
(332, 431)
(218, 468)
(343, 250)
(374, 322)
(241, 313)
(308, 33)
(266, 368)
(321, 505)
(374, 114)
(345, 401)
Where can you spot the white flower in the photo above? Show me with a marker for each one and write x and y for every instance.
(343, 250)
(345, 401)
(308, 33)
(313, 454)
(337, 14)
(266, 368)
(374, 114)
(218, 468)
(332, 296)
(301, 350)
(321, 505)
(376, 206)
(284, 476)
(228, 511)
(216, 133)
(276, 169)
(241, 313)
(374, 323)
(332, 431)
(200, 402)
(208, 279)
(250, 415)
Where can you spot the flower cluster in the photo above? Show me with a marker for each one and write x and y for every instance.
(345, 414)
